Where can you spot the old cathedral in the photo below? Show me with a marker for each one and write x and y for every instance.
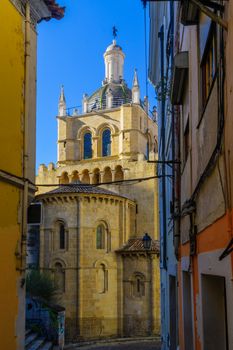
(93, 222)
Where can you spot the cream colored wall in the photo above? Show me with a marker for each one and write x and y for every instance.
(129, 125)
(203, 134)
(144, 193)
(130, 121)
(229, 99)
(95, 314)
(141, 314)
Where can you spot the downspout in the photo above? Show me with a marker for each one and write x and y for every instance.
(78, 295)
(175, 154)
(164, 220)
(25, 135)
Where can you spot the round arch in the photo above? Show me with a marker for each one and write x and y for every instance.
(85, 176)
(119, 174)
(114, 129)
(96, 176)
(75, 176)
(64, 178)
(84, 129)
(107, 177)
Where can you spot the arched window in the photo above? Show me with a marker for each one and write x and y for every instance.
(138, 284)
(85, 177)
(59, 277)
(75, 176)
(148, 147)
(102, 279)
(87, 146)
(100, 237)
(106, 143)
(119, 175)
(64, 179)
(147, 150)
(62, 239)
(107, 175)
(96, 176)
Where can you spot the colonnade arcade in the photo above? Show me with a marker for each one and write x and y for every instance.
(93, 177)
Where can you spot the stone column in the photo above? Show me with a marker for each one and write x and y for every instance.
(101, 176)
(95, 146)
(113, 174)
(91, 178)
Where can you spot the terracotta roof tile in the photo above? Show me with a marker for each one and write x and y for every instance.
(136, 245)
(56, 10)
(79, 187)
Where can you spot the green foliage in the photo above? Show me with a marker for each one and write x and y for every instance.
(40, 284)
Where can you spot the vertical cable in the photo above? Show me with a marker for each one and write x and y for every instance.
(145, 44)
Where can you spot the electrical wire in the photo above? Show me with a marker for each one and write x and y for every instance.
(117, 182)
(145, 46)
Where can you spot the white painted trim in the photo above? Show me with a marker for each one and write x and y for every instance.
(209, 264)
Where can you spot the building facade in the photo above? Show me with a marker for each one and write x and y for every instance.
(201, 96)
(103, 272)
(160, 70)
(18, 21)
(108, 144)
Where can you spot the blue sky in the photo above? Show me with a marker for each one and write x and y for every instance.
(70, 52)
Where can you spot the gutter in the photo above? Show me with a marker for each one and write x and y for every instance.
(25, 145)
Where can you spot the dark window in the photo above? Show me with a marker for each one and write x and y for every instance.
(186, 142)
(34, 214)
(208, 65)
(100, 237)
(87, 146)
(106, 143)
(147, 150)
(62, 236)
(138, 286)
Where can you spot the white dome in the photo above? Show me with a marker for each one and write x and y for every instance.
(113, 46)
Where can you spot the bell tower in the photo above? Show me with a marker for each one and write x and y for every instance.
(114, 63)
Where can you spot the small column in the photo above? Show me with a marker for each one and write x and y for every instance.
(101, 176)
(91, 178)
(113, 174)
(85, 100)
(95, 146)
(109, 99)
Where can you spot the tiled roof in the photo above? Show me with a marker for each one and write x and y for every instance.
(79, 187)
(136, 245)
(56, 10)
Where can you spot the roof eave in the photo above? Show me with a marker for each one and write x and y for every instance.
(46, 10)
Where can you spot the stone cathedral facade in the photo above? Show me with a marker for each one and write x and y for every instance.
(92, 226)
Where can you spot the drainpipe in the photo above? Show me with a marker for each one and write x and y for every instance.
(175, 153)
(164, 219)
(25, 150)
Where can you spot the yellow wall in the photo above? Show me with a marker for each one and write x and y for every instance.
(11, 136)
(11, 87)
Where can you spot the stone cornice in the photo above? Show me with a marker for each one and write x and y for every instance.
(71, 197)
